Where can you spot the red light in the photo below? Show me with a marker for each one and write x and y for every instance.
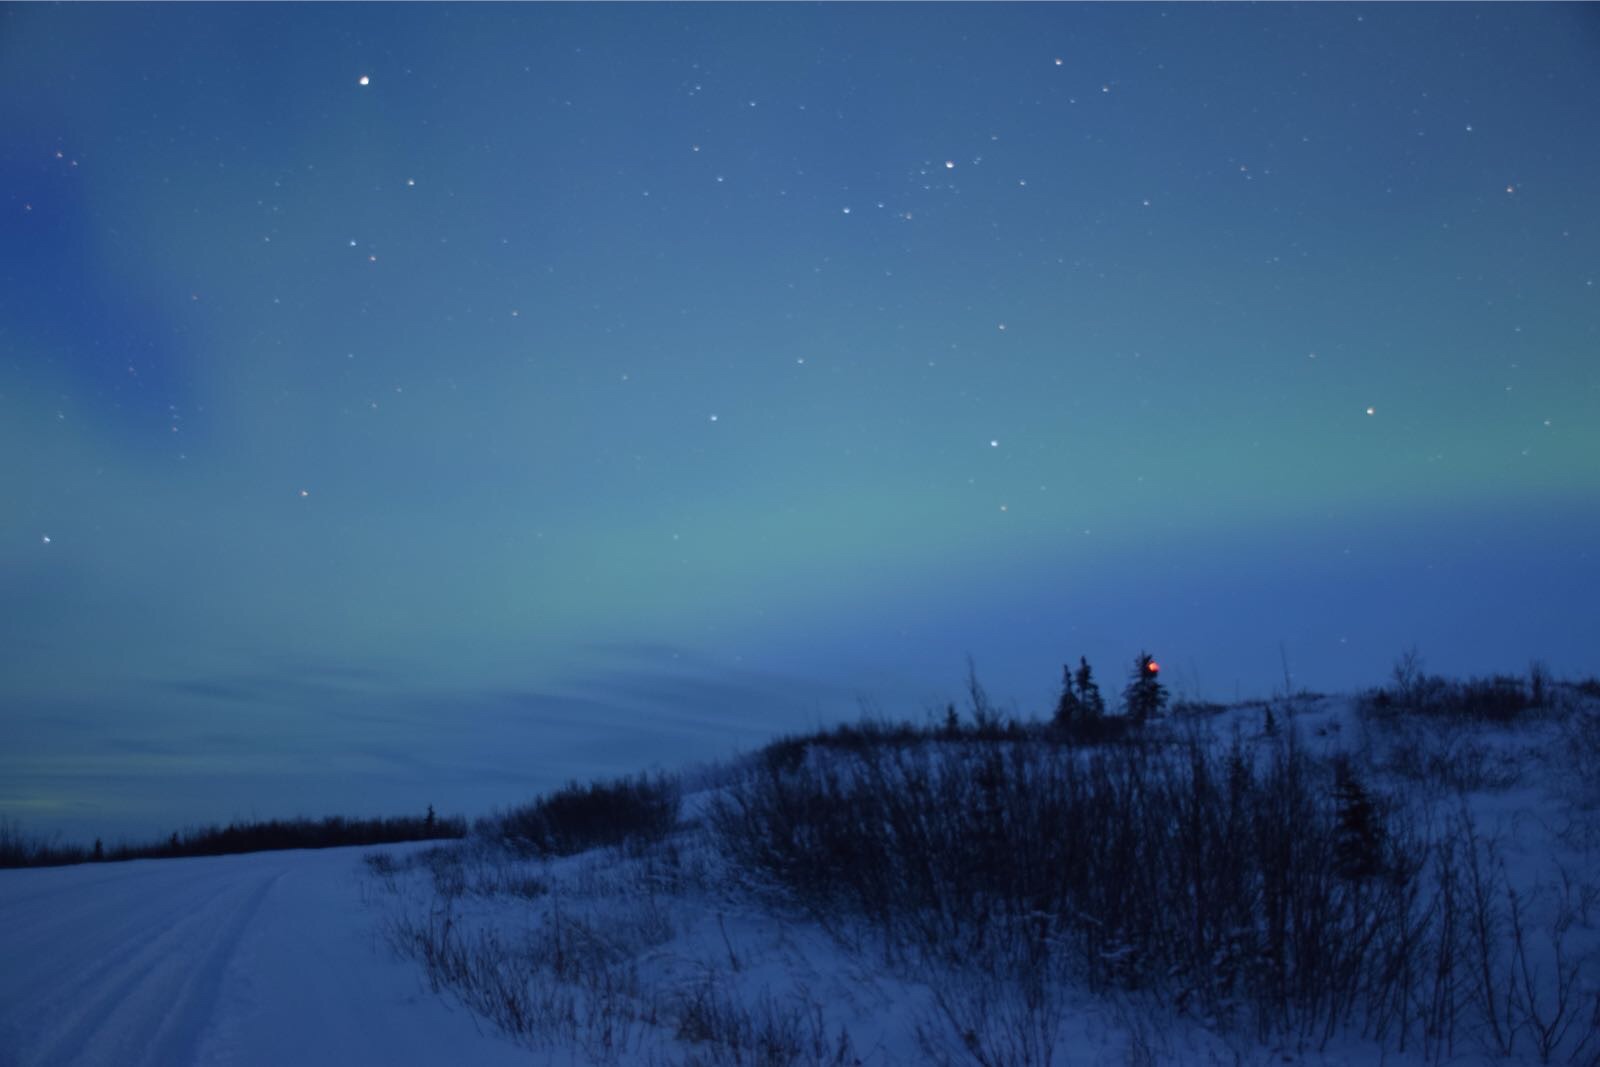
(1155, 668)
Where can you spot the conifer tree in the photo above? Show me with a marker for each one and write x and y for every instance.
(1093, 704)
(1358, 837)
(1145, 696)
(1069, 709)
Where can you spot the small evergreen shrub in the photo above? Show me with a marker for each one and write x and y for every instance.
(1358, 835)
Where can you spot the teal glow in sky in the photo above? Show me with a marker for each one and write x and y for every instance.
(410, 404)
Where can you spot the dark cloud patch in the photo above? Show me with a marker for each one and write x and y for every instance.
(746, 701)
(306, 688)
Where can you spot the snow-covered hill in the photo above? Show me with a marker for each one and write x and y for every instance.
(677, 950)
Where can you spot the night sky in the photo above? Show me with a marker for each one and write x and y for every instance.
(423, 404)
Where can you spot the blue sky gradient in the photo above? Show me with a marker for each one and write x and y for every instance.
(607, 386)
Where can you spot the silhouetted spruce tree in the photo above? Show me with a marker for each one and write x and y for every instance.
(1089, 698)
(99, 850)
(1145, 696)
(1358, 838)
(427, 823)
(1538, 684)
(1069, 709)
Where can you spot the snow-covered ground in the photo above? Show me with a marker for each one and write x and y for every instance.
(666, 954)
(662, 956)
(266, 959)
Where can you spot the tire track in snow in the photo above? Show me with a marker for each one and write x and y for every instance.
(62, 955)
(142, 991)
(178, 1031)
(262, 960)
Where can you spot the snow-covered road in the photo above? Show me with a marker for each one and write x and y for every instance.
(269, 958)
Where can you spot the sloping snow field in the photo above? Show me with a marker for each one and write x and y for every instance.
(270, 958)
(665, 956)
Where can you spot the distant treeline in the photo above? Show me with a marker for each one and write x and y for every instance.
(334, 831)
